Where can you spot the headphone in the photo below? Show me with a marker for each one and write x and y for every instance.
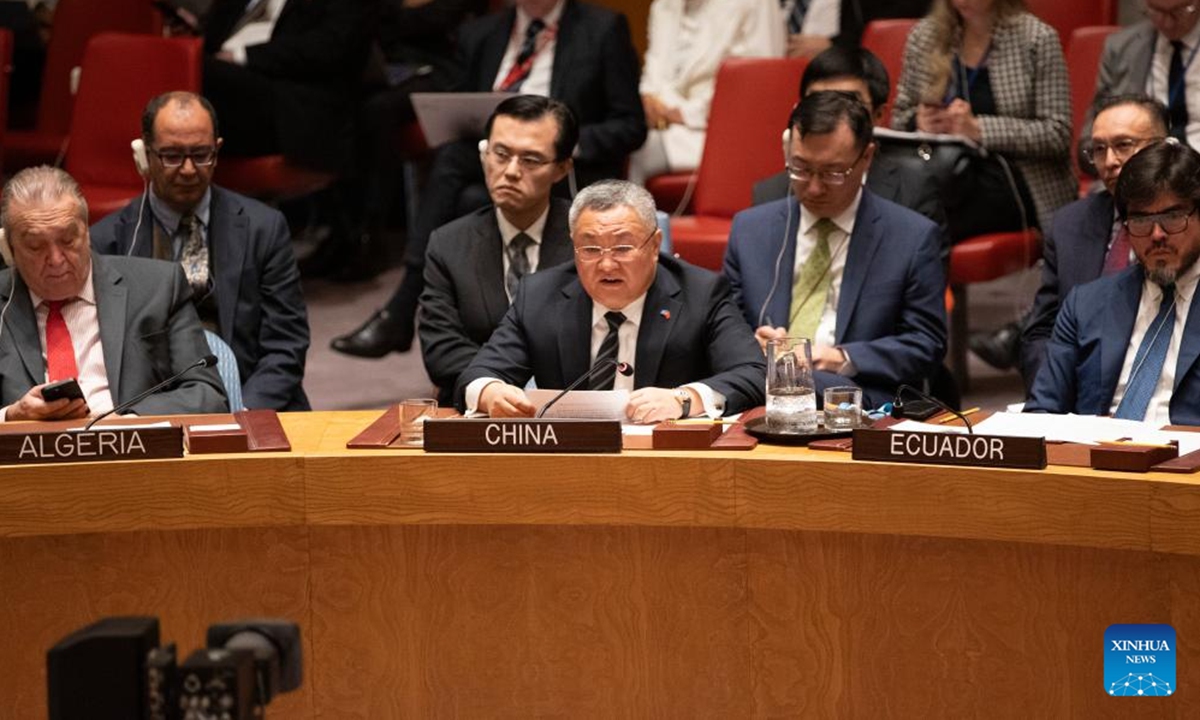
(7, 253)
(787, 153)
(141, 161)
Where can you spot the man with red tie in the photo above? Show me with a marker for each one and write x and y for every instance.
(118, 326)
(1087, 232)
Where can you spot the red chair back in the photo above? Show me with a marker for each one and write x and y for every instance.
(886, 39)
(1083, 64)
(750, 108)
(6, 50)
(75, 22)
(1066, 16)
(121, 73)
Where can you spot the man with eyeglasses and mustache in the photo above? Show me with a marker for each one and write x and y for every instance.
(858, 275)
(235, 251)
(1156, 57)
(620, 302)
(1087, 234)
(1127, 344)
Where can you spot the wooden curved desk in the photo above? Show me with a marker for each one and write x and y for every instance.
(779, 582)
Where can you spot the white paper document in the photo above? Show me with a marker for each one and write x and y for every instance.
(583, 404)
(1086, 429)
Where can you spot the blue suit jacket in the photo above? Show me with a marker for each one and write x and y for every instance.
(1080, 233)
(260, 308)
(891, 314)
(1085, 354)
(690, 331)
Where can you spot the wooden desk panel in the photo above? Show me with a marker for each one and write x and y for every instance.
(778, 582)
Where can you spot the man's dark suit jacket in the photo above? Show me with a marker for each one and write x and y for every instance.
(595, 73)
(1079, 234)
(690, 331)
(891, 313)
(1084, 357)
(464, 298)
(148, 330)
(260, 307)
(315, 59)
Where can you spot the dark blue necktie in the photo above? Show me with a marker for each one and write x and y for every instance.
(796, 17)
(1149, 360)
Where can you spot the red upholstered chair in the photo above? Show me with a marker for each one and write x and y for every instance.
(75, 22)
(120, 74)
(6, 50)
(980, 259)
(750, 108)
(1067, 15)
(886, 39)
(1083, 64)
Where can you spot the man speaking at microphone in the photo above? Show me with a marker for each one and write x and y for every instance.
(117, 325)
(676, 325)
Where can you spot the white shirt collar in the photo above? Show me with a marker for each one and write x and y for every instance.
(844, 220)
(550, 18)
(535, 231)
(632, 312)
(169, 219)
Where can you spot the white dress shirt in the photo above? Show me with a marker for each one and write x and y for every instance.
(83, 324)
(508, 231)
(538, 82)
(839, 243)
(1159, 409)
(1158, 88)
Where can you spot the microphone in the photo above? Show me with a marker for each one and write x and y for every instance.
(204, 362)
(622, 367)
(898, 406)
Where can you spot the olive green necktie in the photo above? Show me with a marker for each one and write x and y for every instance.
(811, 287)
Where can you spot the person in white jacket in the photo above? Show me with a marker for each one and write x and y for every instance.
(688, 40)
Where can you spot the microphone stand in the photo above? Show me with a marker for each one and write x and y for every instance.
(206, 361)
(898, 405)
(624, 368)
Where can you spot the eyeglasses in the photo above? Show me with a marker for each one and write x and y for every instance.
(1123, 148)
(501, 157)
(1173, 222)
(200, 157)
(1176, 14)
(620, 253)
(803, 173)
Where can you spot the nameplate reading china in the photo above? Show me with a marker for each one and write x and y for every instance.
(523, 436)
(95, 445)
(950, 449)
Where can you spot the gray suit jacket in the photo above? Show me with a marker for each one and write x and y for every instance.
(148, 330)
(464, 298)
(260, 307)
(1125, 64)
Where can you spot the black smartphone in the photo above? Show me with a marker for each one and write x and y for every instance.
(62, 389)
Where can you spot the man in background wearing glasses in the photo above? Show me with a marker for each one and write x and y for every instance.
(1157, 57)
(673, 326)
(236, 252)
(858, 275)
(1125, 344)
(1087, 233)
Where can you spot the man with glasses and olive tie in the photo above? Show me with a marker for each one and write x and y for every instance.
(1087, 233)
(621, 302)
(858, 275)
(236, 252)
(1127, 344)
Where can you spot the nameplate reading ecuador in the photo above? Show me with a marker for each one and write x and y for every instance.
(518, 435)
(950, 449)
(95, 445)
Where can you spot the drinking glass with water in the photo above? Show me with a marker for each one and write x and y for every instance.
(791, 393)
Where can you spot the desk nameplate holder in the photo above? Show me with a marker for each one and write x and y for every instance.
(519, 435)
(950, 449)
(101, 443)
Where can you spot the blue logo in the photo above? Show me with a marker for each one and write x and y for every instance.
(1139, 660)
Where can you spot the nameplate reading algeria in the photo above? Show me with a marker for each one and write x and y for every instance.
(950, 449)
(519, 435)
(95, 445)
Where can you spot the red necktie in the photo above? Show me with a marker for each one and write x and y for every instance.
(60, 353)
(1117, 258)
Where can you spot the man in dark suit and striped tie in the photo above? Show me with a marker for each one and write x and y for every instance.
(676, 325)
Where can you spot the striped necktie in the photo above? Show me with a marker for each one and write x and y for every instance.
(606, 378)
(524, 62)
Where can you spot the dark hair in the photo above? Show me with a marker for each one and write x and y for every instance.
(1155, 109)
(857, 63)
(821, 112)
(528, 108)
(181, 98)
(1163, 166)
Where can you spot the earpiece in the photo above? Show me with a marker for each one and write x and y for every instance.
(787, 146)
(140, 160)
(6, 250)
(483, 146)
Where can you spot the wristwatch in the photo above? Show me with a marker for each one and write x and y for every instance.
(685, 402)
